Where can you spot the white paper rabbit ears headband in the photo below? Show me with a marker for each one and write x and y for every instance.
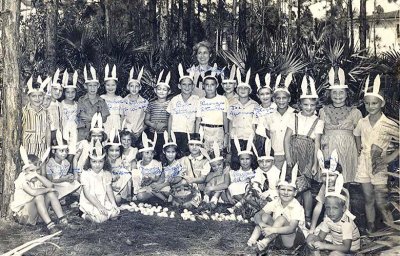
(92, 74)
(59, 141)
(333, 82)
(96, 151)
(25, 159)
(182, 73)
(266, 155)
(249, 145)
(333, 162)
(267, 82)
(42, 84)
(246, 82)
(54, 82)
(196, 138)
(231, 77)
(282, 178)
(375, 89)
(167, 141)
(137, 79)
(114, 138)
(66, 77)
(113, 73)
(97, 123)
(216, 153)
(305, 93)
(166, 81)
(147, 143)
(340, 193)
(285, 87)
(212, 74)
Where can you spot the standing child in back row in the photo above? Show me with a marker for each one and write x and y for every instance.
(302, 141)
(373, 135)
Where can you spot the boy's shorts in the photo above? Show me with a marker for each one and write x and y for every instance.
(298, 241)
(364, 172)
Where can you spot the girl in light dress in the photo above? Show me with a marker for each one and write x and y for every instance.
(97, 201)
(113, 101)
(340, 119)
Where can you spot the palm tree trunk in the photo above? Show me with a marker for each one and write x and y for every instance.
(163, 23)
(189, 28)
(363, 25)
(298, 20)
(51, 34)
(234, 34)
(153, 20)
(12, 104)
(350, 10)
(180, 23)
(242, 21)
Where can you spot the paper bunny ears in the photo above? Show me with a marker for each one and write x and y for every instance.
(167, 141)
(39, 80)
(305, 93)
(249, 145)
(266, 155)
(147, 143)
(282, 178)
(25, 159)
(375, 89)
(333, 162)
(341, 77)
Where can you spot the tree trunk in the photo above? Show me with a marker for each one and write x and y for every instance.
(208, 18)
(298, 27)
(235, 32)
(350, 8)
(12, 103)
(51, 34)
(107, 25)
(153, 21)
(180, 23)
(363, 25)
(242, 21)
(189, 28)
(163, 23)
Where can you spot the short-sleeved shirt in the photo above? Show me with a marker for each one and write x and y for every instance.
(232, 99)
(261, 116)
(277, 124)
(272, 176)
(304, 125)
(96, 185)
(293, 211)
(69, 113)
(183, 113)
(241, 117)
(211, 110)
(173, 170)
(158, 114)
(20, 196)
(380, 134)
(57, 170)
(55, 115)
(133, 110)
(196, 166)
(153, 169)
(344, 229)
(241, 176)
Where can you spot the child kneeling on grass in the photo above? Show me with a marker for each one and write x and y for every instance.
(97, 201)
(338, 223)
(281, 217)
(34, 194)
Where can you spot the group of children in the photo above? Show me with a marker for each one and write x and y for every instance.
(199, 152)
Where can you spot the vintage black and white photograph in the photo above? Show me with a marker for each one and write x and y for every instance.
(199, 127)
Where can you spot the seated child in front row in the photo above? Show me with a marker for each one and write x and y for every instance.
(34, 194)
(281, 217)
(240, 179)
(217, 181)
(146, 179)
(58, 166)
(338, 223)
(97, 201)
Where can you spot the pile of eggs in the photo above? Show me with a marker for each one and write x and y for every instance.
(150, 210)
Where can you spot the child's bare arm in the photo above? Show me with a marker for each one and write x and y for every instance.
(36, 191)
(197, 124)
(317, 146)
(286, 144)
(358, 143)
(169, 124)
(224, 185)
(285, 230)
(45, 181)
(68, 178)
(391, 157)
(110, 195)
(344, 247)
(315, 215)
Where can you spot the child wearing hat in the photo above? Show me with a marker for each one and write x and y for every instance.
(280, 218)
(229, 84)
(182, 111)
(90, 104)
(373, 135)
(35, 119)
(54, 108)
(302, 141)
(240, 115)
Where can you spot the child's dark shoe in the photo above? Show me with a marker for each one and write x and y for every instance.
(52, 229)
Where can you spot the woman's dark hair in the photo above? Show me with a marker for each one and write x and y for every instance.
(103, 136)
(106, 167)
(128, 133)
(196, 47)
(163, 158)
(349, 98)
(120, 147)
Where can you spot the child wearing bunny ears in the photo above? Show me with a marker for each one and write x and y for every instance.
(262, 111)
(113, 101)
(373, 135)
(156, 117)
(97, 201)
(55, 107)
(90, 104)
(338, 223)
(146, 179)
(302, 141)
(212, 114)
(229, 85)
(240, 115)
(328, 177)
(280, 218)
(35, 119)
(277, 122)
(134, 106)
(34, 194)
(182, 110)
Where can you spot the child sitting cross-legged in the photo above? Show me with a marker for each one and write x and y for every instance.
(280, 218)
(34, 194)
(338, 223)
(217, 181)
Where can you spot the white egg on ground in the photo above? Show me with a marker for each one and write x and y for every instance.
(165, 209)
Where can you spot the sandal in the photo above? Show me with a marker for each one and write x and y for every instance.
(251, 242)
